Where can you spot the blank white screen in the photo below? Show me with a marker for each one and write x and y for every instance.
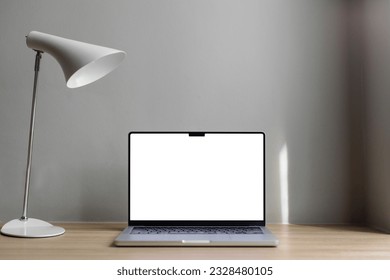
(178, 177)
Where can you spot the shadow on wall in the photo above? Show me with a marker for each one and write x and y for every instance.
(315, 164)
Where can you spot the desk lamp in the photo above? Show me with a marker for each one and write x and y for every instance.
(82, 64)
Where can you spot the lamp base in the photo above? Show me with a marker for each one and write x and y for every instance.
(31, 228)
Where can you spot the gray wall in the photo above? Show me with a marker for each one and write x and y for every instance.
(275, 66)
(377, 98)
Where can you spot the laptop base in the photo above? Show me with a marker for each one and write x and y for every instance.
(126, 239)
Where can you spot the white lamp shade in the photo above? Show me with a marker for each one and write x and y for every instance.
(82, 63)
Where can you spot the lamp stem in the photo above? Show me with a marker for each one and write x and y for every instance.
(31, 135)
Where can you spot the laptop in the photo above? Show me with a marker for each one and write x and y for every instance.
(196, 189)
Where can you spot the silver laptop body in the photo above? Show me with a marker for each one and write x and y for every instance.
(196, 189)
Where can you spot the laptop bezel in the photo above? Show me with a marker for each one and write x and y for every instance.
(197, 222)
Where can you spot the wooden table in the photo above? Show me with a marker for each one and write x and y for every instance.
(89, 241)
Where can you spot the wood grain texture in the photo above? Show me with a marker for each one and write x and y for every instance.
(89, 241)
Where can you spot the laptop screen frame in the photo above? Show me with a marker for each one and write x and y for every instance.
(197, 222)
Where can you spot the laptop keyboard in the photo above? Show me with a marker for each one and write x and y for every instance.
(197, 230)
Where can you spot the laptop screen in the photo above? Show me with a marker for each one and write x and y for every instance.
(196, 176)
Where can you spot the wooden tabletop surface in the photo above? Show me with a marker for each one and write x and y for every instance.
(90, 241)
